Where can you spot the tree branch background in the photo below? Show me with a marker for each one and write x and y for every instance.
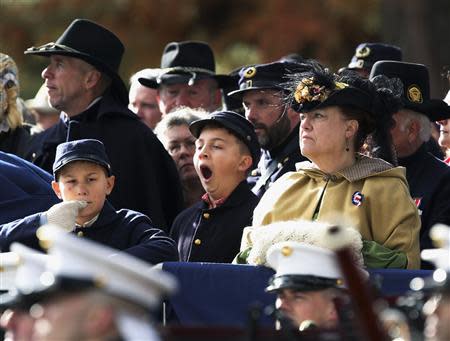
(239, 31)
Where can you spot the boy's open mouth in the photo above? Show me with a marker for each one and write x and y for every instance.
(206, 172)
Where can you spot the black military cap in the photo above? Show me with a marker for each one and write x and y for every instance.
(237, 124)
(84, 150)
(186, 62)
(416, 87)
(366, 54)
(266, 76)
(87, 40)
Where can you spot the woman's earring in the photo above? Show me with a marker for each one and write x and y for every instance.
(347, 149)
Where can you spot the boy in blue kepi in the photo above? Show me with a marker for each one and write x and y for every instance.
(82, 180)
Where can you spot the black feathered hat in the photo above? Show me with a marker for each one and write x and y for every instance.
(318, 88)
(375, 102)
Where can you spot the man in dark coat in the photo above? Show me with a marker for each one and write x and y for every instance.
(262, 91)
(82, 81)
(428, 177)
(25, 188)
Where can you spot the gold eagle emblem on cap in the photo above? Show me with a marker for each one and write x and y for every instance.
(414, 94)
(362, 52)
(250, 72)
(286, 251)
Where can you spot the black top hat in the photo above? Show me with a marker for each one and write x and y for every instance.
(81, 150)
(416, 87)
(92, 43)
(366, 54)
(185, 62)
(237, 124)
(266, 76)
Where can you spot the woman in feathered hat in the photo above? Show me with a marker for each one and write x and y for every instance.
(340, 114)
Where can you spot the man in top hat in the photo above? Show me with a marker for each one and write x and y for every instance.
(262, 91)
(86, 293)
(82, 81)
(428, 177)
(188, 78)
(367, 54)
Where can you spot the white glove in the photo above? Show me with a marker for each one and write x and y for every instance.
(65, 213)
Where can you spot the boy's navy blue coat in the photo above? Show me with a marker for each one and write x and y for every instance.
(219, 230)
(24, 188)
(146, 176)
(124, 230)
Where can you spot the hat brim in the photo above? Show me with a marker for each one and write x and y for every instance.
(434, 109)
(301, 283)
(349, 97)
(357, 65)
(196, 128)
(118, 86)
(238, 93)
(223, 81)
(19, 300)
(62, 284)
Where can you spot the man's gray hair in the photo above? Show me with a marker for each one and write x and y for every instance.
(181, 116)
(424, 122)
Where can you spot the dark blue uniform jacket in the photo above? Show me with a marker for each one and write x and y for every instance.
(123, 230)
(214, 235)
(24, 188)
(275, 163)
(429, 185)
